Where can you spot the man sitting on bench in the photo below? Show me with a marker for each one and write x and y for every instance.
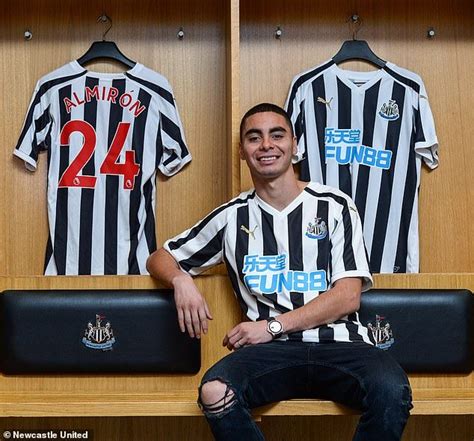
(296, 260)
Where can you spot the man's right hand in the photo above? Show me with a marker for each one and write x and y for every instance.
(193, 311)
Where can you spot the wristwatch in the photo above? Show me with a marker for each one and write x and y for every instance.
(274, 327)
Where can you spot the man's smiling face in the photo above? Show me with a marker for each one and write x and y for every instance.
(267, 145)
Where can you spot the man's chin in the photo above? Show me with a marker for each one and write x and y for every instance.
(266, 174)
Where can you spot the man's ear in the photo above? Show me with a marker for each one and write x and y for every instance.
(295, 146)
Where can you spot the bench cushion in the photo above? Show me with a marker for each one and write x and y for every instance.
(425, 330)
(93, 331)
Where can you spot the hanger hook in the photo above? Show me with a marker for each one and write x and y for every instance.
(355, 22)
(104, 18)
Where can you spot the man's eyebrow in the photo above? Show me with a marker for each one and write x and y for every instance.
(278, 129)
(260, 132)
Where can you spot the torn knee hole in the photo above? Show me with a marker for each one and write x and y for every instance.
(216, 396)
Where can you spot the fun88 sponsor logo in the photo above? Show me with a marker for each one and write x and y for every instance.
(269, 274)
(343, 146)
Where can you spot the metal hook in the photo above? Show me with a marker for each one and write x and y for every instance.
(104, 18)
(355, 23)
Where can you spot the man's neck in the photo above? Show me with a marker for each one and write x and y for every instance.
(279, 193)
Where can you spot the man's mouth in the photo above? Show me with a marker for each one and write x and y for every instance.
(267, 158)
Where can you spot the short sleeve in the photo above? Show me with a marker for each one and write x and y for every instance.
(295, 108)
(35, 131)
(200, 247)
(348, 254)
(426, 141)
(170, 139)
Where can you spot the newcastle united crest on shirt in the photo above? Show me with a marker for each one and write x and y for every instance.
(389, 110)
(382, 334)
(317, 230)
(99, 336)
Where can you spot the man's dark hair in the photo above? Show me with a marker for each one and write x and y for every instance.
(265, 107)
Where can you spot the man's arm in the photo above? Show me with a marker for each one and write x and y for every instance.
(193, 311)
(340, 300)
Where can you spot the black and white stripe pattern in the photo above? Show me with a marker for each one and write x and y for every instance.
(109, 227)
(386, 194)
(275, 260)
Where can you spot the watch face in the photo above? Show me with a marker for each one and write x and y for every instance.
(275, 327)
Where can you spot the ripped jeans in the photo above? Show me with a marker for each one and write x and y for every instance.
(356, 374)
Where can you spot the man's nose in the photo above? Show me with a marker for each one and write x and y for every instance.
(267, 143)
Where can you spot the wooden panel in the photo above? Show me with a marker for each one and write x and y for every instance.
(33, 404)
(434, 401)
(195, 67)
(425, 281)
(328, 428)
(313, 32)
(342, 428)
(118, 429)
(233, 109)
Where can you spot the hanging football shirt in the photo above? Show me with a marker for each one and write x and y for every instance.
(367, 134)
(105, 136)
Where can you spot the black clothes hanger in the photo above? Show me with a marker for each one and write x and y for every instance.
(357, 49)
(105, 49)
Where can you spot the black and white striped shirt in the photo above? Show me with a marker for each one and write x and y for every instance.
(279, 261)
(367, 134)
(105, 135)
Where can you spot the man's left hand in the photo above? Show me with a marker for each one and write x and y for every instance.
(246, 334)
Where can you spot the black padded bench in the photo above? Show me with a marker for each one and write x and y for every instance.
(433, 394)
(137, 331)
(101, 331)
(425, 330)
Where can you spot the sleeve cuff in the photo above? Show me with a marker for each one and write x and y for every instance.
(428, 152)
(367, 281)
(167, 248)
(30, 163)
(175, 167)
